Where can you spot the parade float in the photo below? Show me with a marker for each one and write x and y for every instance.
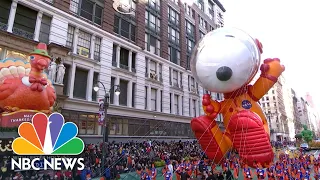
(24, 88)
(225, 61)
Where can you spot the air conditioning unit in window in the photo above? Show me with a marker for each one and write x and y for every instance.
(84, 52)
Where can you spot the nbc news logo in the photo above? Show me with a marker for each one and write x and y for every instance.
(47, 137)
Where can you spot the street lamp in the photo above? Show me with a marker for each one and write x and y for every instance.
(105, 129)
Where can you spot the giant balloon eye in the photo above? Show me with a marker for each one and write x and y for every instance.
(225, 59)
(224, 73)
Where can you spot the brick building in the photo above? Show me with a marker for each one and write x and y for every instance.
(146, 53)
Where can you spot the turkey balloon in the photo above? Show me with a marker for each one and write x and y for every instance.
(225, 61)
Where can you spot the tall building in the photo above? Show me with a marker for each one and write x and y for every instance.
(289, 107)
(297, 122)
(303, 112)
(312, 114)
(146, 54)
(274, 108)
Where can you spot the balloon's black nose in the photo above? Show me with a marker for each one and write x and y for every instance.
(224, 73)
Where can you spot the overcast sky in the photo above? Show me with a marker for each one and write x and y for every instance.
(289, 30)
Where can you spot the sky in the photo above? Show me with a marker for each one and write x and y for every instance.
(288, 30)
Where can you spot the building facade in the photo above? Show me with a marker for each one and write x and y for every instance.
(289, 107)
(303, 112)
(312, 114)
(274, 107)
(147, 54)
(297, 122)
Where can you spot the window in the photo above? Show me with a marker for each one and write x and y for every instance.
(188, 10)
(133, 62)
(152, 22)
(161, 101)
(114, 55)
(190, 110)
(176, 104)
(84, 43)
(174, 55)
(70, 36)
(97, 47)
(182, 108)
(192, 84)
(201, 34)
(188, 62)
(170, 97)
(194, 104)
(202, 22)
(154, 4)
(190, 29)
(272, 91)
(24, 22)
(133, 94)
(175, 78)
(181, 75)
(267, 98)
(80, 84)
(153, 99)
(95, 79)
(153, 67)
(173, 35)
(124, 92)
(160, 72)
(211, 10)
(268, 105)
(190, 45)
(124, 58)
(45, 29)
(274, 98)
(88, 9)
(201, 5)
(124, 28)
(5, 7)
(173, 16)
(146, 97)
(147, 66)
(86, 122)
(113, 79)
(152, 44)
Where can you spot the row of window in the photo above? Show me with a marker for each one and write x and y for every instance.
(266, 98)
(25, 21)
(126, 126)
(81, 88)
(92, 10)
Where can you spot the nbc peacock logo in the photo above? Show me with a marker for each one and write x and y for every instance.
(48, 136)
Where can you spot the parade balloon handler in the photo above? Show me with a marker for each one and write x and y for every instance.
(225, 61)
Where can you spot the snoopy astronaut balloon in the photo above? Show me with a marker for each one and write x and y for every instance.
(225, 61)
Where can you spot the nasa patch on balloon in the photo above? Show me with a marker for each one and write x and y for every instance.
(246, 104)
(47, 136)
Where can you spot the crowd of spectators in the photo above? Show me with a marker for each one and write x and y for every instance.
(120, 158)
